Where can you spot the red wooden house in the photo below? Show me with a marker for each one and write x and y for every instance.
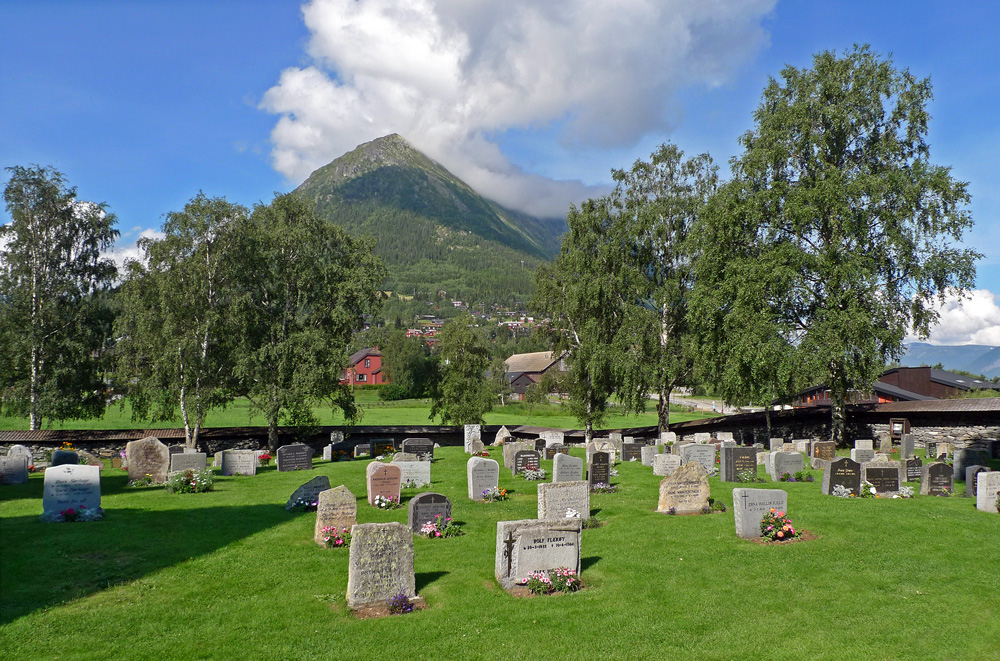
(365, 368)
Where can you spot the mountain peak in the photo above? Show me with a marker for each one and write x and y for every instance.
(388, 151)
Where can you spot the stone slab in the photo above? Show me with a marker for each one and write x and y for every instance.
(531, 545)
(481, 474)
(665, 464)
(567, 468)
(381, 563)
(686, 491)
(336, 507)
(750, 506)
(71, 486)
(239, 462)
(555, 498)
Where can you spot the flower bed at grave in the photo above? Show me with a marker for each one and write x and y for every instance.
(601, 487)
(191, 481)
(386, 502)
(441, 526)
(336, 538)
(71, 515)
(562, 580)
(776, 527)
(494, 495)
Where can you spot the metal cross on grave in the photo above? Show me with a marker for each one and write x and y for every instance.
(508, 552)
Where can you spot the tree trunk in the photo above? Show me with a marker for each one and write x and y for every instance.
(838, 417)
(663, 410)
(767, 418)
(272, 434)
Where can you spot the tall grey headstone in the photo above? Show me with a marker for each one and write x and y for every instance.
(785, 462)
(482, 474)
(665, 464)
(988, 487)
(648, 454)
(336, 508)
(566, 468)
(381, 563)
(14, 469)
(556, 498)
(328, 453)
(776, 444)
(750, 506)
(472, 433)
(531, 545)
(906, 449)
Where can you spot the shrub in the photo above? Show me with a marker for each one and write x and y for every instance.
(144, 481)
(191, 481)
(399, 604)
(392, 392)
(335, 538)
(441, 526)
(748, 477)
(776, 527)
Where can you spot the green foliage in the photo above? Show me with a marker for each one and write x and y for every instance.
(191, 481)
(836, 235)
(408, 365)
(462, 394)
(55, 321)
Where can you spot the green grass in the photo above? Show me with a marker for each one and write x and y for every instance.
(376, 412)
(230, 574)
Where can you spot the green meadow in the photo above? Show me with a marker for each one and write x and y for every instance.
(231, 574)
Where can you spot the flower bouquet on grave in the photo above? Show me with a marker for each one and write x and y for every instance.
(399, 604)
(601, 487)
(777, 527)
(481, 453)
(304, 505)
(533, 474)
(868, 490)
(904, 492)
(264, 459)
(386, 502)
(335, 538)
(561, 580)
(494, 494)
(441, 526)
(71, 515)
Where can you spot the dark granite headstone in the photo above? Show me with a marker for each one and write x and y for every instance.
(524, 460)
(424, 507)
(824, 450)
(885, 479)
(599, 469)
(65, 457)
(309, 491)
(381, 446)
(422, 447)
(735, 460)
(552, 450)
(295, 457)
(539, 445)
(930, 450)
(965, 457)
(937, 479)
(632, 451)
(914, 469)
(971, 477)
(845, 472)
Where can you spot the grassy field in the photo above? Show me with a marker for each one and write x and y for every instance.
(376, 412)
(231, 574)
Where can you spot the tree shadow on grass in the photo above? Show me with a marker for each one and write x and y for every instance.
(47, 564)
(425, 578)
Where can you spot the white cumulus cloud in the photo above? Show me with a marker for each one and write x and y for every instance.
(452, 75)
(121, 254)
(973, 320)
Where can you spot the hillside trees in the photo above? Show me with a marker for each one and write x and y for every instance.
(175, 333)
(838, 221)
(462, 393)
(54, 318)
(304, 286)
(408, 366)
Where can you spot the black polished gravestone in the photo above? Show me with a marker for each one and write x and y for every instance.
(424, 507)
(845, 472)
(937, 480)
(295, 457)
(381, 446)
(539, 445)
(736, 460)
(553, 450)
(914, 468)
(972, 479)
(422, 447)
(632, 451)
(599, 469)
(884, 480)
(64, 457)
(525, 459)
(930, 450)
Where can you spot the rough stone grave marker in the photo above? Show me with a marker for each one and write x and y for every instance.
(686, 491)
(295, 457)
(883, 476)
(502, 435)
(239, 462)
(309, 492)
(383, 480)
(665, 464)
(424, 507)
(556, 498)
(195, 461)
(965, 457)
(531, 545)
(481, 474)
(472, 433)
(885, 446)
(566, 468)
(914, 469)
(14, 469)
(750, 506)
(937, 479)
(844, 472)
(906, 446)
(633, 451)
(71, 486)
(599, 469)
(735, 460)
(648, 453)
(524, 460)
(986, 498)
(147, 457)
(336, 508)
(972, 474)
(422, 447)
(824, 450)
(381, 563)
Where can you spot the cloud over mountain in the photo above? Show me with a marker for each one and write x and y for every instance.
(452, 76)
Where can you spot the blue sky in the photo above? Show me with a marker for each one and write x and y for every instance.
(142, 105)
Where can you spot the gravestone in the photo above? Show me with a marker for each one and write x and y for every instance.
(864, 444)
(336, 508)
(702, 437)
(883, 476)
(914, 469)
(937, 480)
(553, 450)
(195, 461)
(295, 457)
(599, 469)
(14, 469)
(424, 507)
(328, 453)
(539, 445)
(416, 472)
(147, 457)
(930, 450)
(844, 472)
(787, 447)
(476, 447)
(946, 449)
(686, 491)
(555, 498)
(724, 435)
(422, 447)
(763, 459)
(665, 464)
(336, 437)
(71, 486)
(481, 474)
(633, 451)
(524, 460)
(863, 455)
(403, 457)
(972, 474)
(239, 462)
(785, 462)
(380, 447)
(965, 457)
(667, 437)
(502, 435)
(472, 433)
(381, 563)
(362, 450)
(216, 459)
(530, 545)
(609, 447)
(65, 458)
(906, 446)
(750, 506)
(383, 480)
(703, 454)
(776, 444)
(19, 450)
(824, 450)
(309, 492)
(553, 438)
(175, 449)
(802, 446)
(116, 462)
(511, 449)
(735, 460)
(885, 445)
(566, 468)
(986, 496)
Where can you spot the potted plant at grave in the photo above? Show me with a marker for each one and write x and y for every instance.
(265, 459)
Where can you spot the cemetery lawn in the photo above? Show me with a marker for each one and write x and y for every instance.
(376, 412)
(231, 574)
